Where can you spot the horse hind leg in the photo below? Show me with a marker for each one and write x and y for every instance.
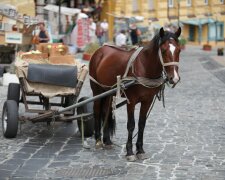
(97, 117)
(109, 124)
(130, 127)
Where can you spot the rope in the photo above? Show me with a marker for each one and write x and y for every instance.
(102, 85)
(146, 82)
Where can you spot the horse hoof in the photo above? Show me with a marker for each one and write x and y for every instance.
(108, 147)
(98, 145)
(142, 156)
(131, 158)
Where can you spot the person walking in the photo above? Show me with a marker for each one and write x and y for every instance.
(99, 33)
(43, 34)
(92, 30)
(134, 33)
(105, 28)
(121, 38)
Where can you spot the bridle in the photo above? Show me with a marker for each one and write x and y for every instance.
(173, 63)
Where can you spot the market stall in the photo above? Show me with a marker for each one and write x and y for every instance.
(15, 33)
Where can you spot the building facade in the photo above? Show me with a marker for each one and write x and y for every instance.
(23, 6)
(202, 21)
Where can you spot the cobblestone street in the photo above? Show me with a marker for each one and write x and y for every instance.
(186, 140)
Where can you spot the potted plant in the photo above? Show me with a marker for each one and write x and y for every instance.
(182, 42)
(207, 47)
(220, 51)
(89, 50)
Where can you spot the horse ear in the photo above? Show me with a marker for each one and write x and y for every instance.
(161, 32)
(178, 32)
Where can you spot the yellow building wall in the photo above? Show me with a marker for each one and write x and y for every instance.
(204, 33)
(199, 9)
(23, 6)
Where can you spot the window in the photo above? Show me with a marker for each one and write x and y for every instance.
(188, 2)
(150, 4)
(216, 31)
(2, 26)
(206, 2)
(170, 3)
(221, 1)
(135, 5)
(220, 30)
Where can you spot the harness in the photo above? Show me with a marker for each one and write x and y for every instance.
(146, 82)
(168, 63)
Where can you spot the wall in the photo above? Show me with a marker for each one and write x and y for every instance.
(197, 10)
(23, 6)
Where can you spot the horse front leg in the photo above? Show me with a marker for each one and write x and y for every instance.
(141, 126)
(130, 127)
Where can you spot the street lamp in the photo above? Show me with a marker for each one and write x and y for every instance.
(168, 9)
(60, 24)
(178, 12)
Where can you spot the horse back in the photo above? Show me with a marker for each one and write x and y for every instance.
(107, 63)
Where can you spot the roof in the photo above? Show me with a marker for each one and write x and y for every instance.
(64, 10)
(200, 21)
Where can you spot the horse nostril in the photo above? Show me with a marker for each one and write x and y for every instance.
(171, 80)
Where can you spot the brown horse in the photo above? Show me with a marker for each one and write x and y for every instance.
(160, 56)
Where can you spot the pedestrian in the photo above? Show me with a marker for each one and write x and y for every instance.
(121, 38)
(105, 28)
(151, 30)
(92, 30)
(134, 34)
(99, 33)
(43, 34)
(167, 27)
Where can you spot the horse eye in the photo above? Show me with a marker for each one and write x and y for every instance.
(163, 51)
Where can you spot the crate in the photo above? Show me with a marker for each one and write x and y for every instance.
(66, 59)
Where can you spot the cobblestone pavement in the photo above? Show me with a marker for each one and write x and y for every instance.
(186, 140)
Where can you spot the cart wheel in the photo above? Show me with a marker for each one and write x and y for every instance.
(10, 119)
(1, 71)
(14, 92)
(88, 121)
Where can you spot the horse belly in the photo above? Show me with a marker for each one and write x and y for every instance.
(139, 93)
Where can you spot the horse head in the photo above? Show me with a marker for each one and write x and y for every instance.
(169, 51)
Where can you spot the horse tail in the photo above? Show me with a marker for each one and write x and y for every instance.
(109, 121)
(112, 123)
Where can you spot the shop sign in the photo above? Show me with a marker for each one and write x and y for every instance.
(14, 38)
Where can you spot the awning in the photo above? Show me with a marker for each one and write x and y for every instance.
(130, 17)
(7, 6)
(156, 25)
(64, 10)
(197, 22)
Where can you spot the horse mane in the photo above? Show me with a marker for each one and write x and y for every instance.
(157, 40)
